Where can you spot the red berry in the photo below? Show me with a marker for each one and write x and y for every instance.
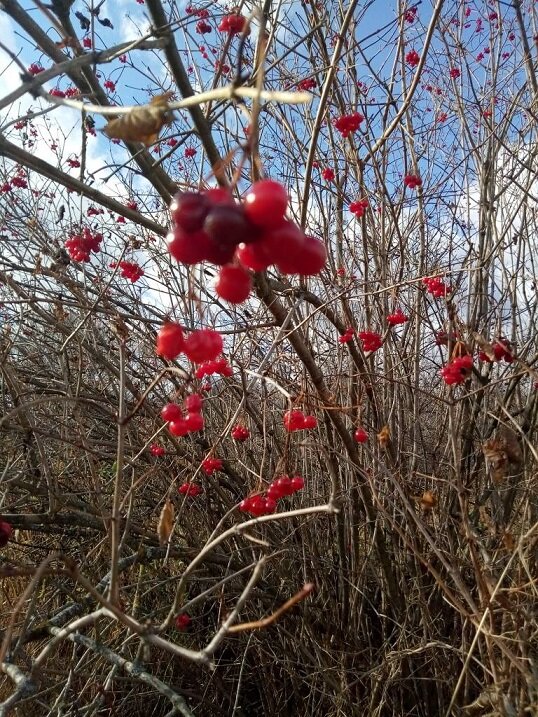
(194, 422)
(171, 412)
(270, 505)
(283, 246)
(189, 210)
(189, 248)
(233, 284)
(284, 485)
(178, 428)
(157, 450)
(312, 257)
(252, 256)
(5, 533)
(228, 225)
(297, 483)
(193, 403)
(266, 203)
(203, 345)
(219, 195)
(360, 435)
(170, 341)
(310, 422)
(183, 621)
(293, 420)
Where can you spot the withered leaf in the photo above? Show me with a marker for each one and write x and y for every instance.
(384, 436)
(141, 124)
(428, 500)
(166, 522)
(484, 345)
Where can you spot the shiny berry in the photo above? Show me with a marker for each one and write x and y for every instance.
(157, 450)
(233, 284)
(170, 341)
(189, 248)
(310, 422)
(266, 203)
(297, 483)
(227, 225)
(312, 257)
(253, 256)
(360, 435)
(171, 412)
(183, 621)
(189, 210)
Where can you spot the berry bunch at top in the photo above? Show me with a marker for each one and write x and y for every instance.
(436, 286)
(82, 244)
(254, 234)
(232, 24)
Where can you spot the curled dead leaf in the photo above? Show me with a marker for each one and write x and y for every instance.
(166, 522)
(428, 500)
(141, 124)
(384, 436)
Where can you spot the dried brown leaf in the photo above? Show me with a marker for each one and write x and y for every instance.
(166, 522)
(384, 436)
(141, 124)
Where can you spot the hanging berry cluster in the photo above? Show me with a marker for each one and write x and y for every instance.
(190, 489)
(188, 419)
(252, 235)
(232, 24)
(347, 124)
(240, 433)
(436, 286)
(80, 246)
(501, 349)
(456, 371)
(258, 505)
(129, 270)
(295, 420)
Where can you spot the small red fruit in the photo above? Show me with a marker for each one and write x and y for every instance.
(189, 210)
(360, 435)
(193, 403)
(170, 341)
(171, 412)
(178, 428)
(233, 284)
(310, 422)
(297, 483)
(203, 345)
(194, 422)
(266, 203)
(183, 621)
(5, 533)
(252, 256)
(157, 450)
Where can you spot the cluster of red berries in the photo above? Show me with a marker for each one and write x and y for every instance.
(398, 317)
(156, 450)
(412, 181)
(129, 270)
(208, 368)
(502, 349)
(457, 370)
(200, 345)
(180, 425)
(360, 435)
(347, 336)
(5, 533)
(203, 27)
(348, 123)
(370, 340)
(190, 489)
(240, 432)
(436, 286)
(307, 84)
(296, 420)
(232, 24)
(79, 246)
(211, 226)
(35, 68)
(359, 207)
(210, 465)
(412, 58)
(258, 505)
(442, 338)
(328, 174)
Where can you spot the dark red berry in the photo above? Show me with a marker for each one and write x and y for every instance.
(227, 225)
(233, 284)
(189, 210)
(312, 257)
(194, 422)
(178, 428)
(361, 436)
(266, 203)
(170, 341)
(5, 533)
